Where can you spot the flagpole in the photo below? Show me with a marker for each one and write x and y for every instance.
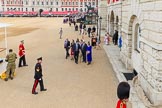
(6, 38)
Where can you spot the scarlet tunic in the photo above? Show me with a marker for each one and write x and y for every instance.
(21, 50)
(121, 104)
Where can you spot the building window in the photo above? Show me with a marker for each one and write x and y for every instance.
(85, 3)
(66, 3)
(21, 9)
(22, 2)
(65, 9)
(11, 2)
(15, 2)
(42, 3)
(38, 3)
(81, 3)
(51, 3)
(62, 9)
(73, 9)
(7, 2)
(62, 3)
(33, 2)
(93, 3)
(46, 3)
(69, 3)
(51, 10)
(73, 3)
(69, 9)
(7, 9)
(26, 2)
(56, 9)
(76, 9)
(32, 9)
(18, 9)
(26, 9)
(76, 3)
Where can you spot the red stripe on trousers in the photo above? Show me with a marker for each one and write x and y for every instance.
(34, 86)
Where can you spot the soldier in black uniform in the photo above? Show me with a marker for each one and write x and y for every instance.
(38, 77)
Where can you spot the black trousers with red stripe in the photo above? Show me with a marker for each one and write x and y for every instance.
(36, 83)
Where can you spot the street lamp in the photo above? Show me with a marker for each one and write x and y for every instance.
(100, 19)
(97, 23)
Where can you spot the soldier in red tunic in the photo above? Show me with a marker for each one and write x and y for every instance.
(123, 94)
(22, 54)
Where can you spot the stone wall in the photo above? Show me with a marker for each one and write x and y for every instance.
(147, 61)
(114, 18)
(102, 13)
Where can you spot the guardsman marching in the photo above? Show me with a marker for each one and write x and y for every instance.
(123, 94)
(38, 77)
(11, 66)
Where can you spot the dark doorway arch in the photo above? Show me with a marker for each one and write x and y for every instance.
(116, 23)
(112, 23)
(108, 23)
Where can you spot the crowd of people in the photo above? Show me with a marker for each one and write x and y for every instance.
(80, 51)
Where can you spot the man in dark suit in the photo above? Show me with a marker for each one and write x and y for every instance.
(76, 48)
(94, 29)
(67, 47)
(89, 31)
(83, 49)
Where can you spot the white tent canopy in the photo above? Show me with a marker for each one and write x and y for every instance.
(5, 25)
